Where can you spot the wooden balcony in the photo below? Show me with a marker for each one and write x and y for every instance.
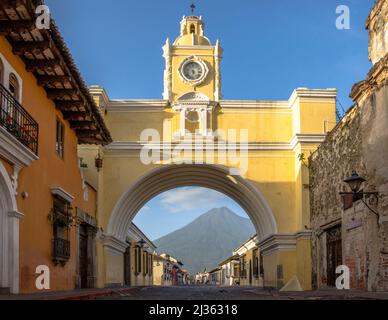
(17, 121)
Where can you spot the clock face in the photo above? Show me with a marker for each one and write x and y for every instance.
(192, 71)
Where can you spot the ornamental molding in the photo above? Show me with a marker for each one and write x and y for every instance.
(301, 139)
(14, 151)
(114, 245)
(277, 242)
(125, 146)
(282, 241)
(16, 214)
(58, 191)
(376, 79)
(316, 95)
(202, 63)
(135, 234)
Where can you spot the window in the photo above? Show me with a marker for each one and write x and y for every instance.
(255, 263)
(145, 266)
(137, 260)
(243, 271)
(192, 28)
(261, 265)
(60, 133)
(151, 264)
(61, 220)
(14, 86)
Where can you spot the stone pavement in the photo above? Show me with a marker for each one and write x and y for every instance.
(81, 294)
(241, 293)
(198, 293)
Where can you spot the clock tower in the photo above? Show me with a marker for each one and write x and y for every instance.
(192, 79)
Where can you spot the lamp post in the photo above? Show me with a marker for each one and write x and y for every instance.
(141, 243)
(355, 183)
(98, 162)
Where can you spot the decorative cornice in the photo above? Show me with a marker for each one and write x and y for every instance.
(247, 245)
(14, 151)
(253, 104)
(115, 245)
(277, 242)
(220, 145)
(283, 241)
(123, 105)
(15, 214)
(135, 234)
(302, 139)
(305, 93)
(376, 78)
(96, 90)
(191, 47)
(58, 191)
(303, 235)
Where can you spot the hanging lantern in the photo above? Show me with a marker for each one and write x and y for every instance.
(98, 162)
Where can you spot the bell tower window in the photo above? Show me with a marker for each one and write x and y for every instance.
(192, 28)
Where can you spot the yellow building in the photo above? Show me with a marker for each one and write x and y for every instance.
(251, 268)
(138, 259)
(248, 150)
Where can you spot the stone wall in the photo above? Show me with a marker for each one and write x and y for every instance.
(359, 142)
(378, 31)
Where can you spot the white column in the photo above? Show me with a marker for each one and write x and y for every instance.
(183, 122)
(204, 121)
(13, 250)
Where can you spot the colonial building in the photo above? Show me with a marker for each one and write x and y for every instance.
(230, 271)
(162, 272)
(168, 271)
(352, 229)
(202, 278)
(148, 155)
(215, 276)
(138, 259)
(47, 208)
(251, 269)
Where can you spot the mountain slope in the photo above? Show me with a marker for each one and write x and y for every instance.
(207, 240)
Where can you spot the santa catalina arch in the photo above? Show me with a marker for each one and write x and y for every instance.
(248, 150)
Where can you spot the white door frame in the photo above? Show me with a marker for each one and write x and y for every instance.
(9, 234)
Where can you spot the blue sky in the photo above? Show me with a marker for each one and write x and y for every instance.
(173, 209)
(270, 48)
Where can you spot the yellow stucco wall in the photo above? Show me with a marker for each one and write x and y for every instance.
(278, 132)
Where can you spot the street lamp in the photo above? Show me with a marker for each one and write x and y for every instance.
(141, 243)
(98, 162)
(355, 184)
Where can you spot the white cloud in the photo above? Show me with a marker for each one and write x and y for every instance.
(190, 198)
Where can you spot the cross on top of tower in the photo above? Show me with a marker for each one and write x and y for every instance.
(193, 7)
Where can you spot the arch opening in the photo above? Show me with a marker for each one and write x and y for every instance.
(169, 177)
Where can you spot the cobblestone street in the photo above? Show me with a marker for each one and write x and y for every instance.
(238, 293)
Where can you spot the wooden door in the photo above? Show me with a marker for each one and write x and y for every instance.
(334, 254)
(127, 267)
(83, 256)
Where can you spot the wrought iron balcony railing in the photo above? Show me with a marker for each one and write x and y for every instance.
(61, 250)
(17, 121)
